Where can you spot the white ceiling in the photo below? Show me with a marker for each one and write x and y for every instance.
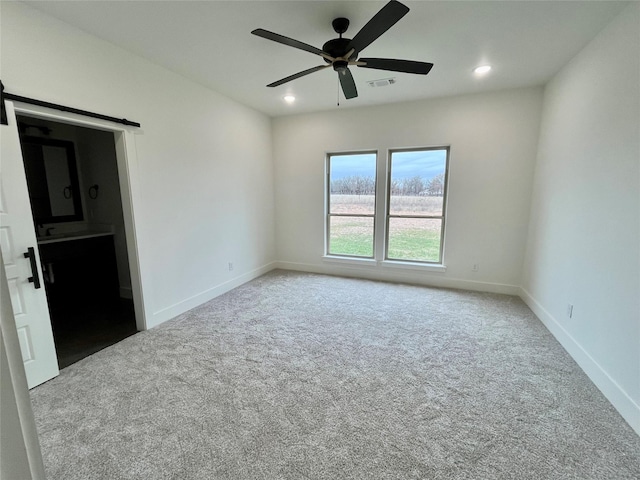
(209, 42)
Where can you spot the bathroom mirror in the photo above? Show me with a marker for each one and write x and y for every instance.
(52, 179)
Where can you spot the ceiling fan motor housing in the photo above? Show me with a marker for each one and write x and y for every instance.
(338, 48)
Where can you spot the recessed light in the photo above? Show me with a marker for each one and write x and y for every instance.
(289, 98)
(481, 70)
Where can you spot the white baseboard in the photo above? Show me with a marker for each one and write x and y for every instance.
(621, 401)
(174, 310)
(430, 279)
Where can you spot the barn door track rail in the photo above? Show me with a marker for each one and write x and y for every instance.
(32, 101)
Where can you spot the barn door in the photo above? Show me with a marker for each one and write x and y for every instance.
(22, 260)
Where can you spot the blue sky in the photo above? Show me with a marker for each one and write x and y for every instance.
(425, 163)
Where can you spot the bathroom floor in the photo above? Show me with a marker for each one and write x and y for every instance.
(81, 332)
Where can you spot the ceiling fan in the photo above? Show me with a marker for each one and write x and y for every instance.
(340, 52)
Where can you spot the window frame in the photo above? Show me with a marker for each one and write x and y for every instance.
(328, 214)
(442, 217)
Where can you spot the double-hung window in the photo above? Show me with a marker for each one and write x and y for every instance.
(351, 204)
(416, 190)
(411, 224)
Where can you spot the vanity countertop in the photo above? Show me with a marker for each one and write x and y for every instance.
(66, 237)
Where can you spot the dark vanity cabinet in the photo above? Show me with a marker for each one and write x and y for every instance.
(80, 271)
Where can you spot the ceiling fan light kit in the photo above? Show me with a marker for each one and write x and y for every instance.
(340, 53)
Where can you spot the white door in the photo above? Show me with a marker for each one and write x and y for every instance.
(17, 236)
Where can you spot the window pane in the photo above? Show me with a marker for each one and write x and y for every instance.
(417, 182)
(351, 236)
(415, 239)
(353, 204)
(352, 183)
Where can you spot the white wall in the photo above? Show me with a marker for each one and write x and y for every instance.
(584, 240)
(493, 140)
(204, 164)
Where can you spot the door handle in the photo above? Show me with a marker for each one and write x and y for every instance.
(31, 255)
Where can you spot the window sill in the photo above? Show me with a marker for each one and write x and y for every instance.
(391, 264)
(351, 260)
(425, 267)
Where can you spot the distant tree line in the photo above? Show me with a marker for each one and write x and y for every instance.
(354, 185)
(413, 186)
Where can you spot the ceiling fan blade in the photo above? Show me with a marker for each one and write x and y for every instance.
(287, 41)
(298, 75)
(406, 66)
(380, 23)
(347, 83)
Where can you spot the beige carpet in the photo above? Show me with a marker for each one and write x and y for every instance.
(302, 376)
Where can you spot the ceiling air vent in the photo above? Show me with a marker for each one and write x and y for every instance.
(383, 82)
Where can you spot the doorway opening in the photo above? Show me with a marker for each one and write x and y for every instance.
(76, 202)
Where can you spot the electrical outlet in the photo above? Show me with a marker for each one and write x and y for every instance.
(569, 310)
(475, 267)
(231, 266)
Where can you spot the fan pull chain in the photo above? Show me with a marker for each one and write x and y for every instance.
(338, 93)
